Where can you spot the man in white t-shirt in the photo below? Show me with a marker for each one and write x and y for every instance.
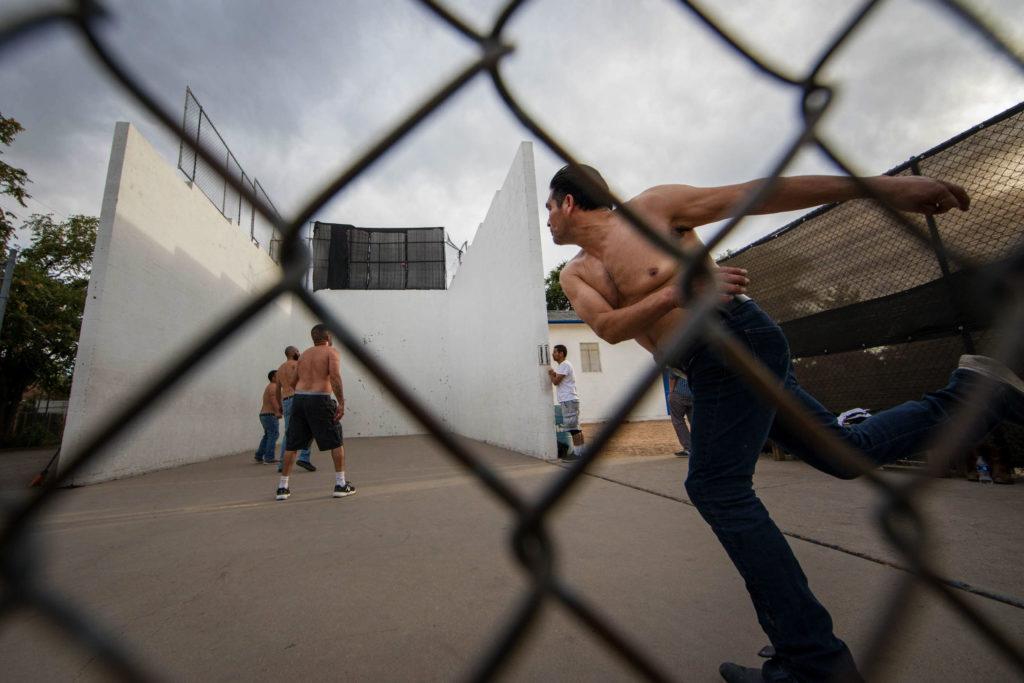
(564, 379)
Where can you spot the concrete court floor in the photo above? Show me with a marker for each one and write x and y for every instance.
(208, 578)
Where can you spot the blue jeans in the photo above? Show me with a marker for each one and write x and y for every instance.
(730, 425)
(286, 408)
(265, 451)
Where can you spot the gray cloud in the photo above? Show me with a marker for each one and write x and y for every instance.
(640, 89)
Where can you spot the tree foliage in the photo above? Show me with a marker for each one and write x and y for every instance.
(12, 181)
(556, 298)
(39, 339)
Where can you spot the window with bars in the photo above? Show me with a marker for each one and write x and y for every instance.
(590, 357)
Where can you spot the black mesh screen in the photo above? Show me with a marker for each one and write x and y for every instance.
(871, 318)
(348, 257)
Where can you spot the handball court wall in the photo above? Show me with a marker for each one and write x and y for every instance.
(168, 266)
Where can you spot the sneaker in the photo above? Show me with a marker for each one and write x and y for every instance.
(571, 457)
(994, 370)
(283, 493)
(734, 673)
(306, 465)
(269, 462)
(341, 491)
(682, 454)
(258, 458)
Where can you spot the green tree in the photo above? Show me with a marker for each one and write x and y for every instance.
(557, 300)
(39, 339)
(12, 182)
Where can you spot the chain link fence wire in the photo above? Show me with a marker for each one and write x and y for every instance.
(899, 518)
(876, 318)
(223, 189)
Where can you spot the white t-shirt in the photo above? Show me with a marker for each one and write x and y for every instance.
(566, 389)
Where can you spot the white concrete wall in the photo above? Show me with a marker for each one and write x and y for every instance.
(497, 319)
(621, 365)
(168, 266)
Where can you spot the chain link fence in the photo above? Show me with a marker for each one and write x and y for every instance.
(900, 518)
(227, 196)
(875, 317)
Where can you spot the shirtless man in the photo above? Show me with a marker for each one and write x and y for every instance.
(625, 288)
(287, 376)
(270, 411)
(315, 414)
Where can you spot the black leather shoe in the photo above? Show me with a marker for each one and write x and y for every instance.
(306, 465)
(734, 673)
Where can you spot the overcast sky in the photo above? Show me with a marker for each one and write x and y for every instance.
(638, 88)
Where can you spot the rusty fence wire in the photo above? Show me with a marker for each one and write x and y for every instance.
(900, 517)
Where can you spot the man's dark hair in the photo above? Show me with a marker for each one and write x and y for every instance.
(270, 375)
(569, 180)
(319, 332)
(561, 347)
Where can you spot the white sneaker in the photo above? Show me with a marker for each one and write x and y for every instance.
(992, 369)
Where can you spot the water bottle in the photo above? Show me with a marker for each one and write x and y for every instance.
(984, 471)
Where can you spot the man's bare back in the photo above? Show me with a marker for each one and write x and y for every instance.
(287, 376)
(316, 368)
(270, 405)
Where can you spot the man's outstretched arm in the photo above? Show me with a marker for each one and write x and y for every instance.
(689, 207)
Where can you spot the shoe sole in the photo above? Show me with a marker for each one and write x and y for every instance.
(338, 494)
(284, 497)
(993, 369)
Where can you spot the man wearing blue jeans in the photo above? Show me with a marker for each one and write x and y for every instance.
(270, 412)
(287, 376)
(625, 288)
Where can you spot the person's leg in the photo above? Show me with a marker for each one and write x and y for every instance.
(730, 425)
(286, 410)
(677, 409)
(272, 433)
(297, 436)
(900, 431)
(268, 422)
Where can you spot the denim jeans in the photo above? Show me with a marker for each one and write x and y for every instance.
(268, 443)
(286, 408)
(730, 425)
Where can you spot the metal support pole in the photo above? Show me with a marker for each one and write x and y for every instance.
(5, 289)
(943, 259)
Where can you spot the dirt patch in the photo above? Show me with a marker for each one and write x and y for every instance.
(637, 439)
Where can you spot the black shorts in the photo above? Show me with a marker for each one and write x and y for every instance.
(313, 418)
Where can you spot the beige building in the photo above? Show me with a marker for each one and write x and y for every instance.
(604, 372)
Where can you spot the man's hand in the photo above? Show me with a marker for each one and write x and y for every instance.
(920, 194)
(340, 412)
(729, 281)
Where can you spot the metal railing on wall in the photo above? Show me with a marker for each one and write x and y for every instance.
(199, 132)
(900, 517)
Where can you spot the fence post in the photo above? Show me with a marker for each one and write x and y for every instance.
(5, 289)
(195, 152)
(943, 259)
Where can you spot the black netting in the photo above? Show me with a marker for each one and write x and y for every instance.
(869, 314)
(379, 258)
